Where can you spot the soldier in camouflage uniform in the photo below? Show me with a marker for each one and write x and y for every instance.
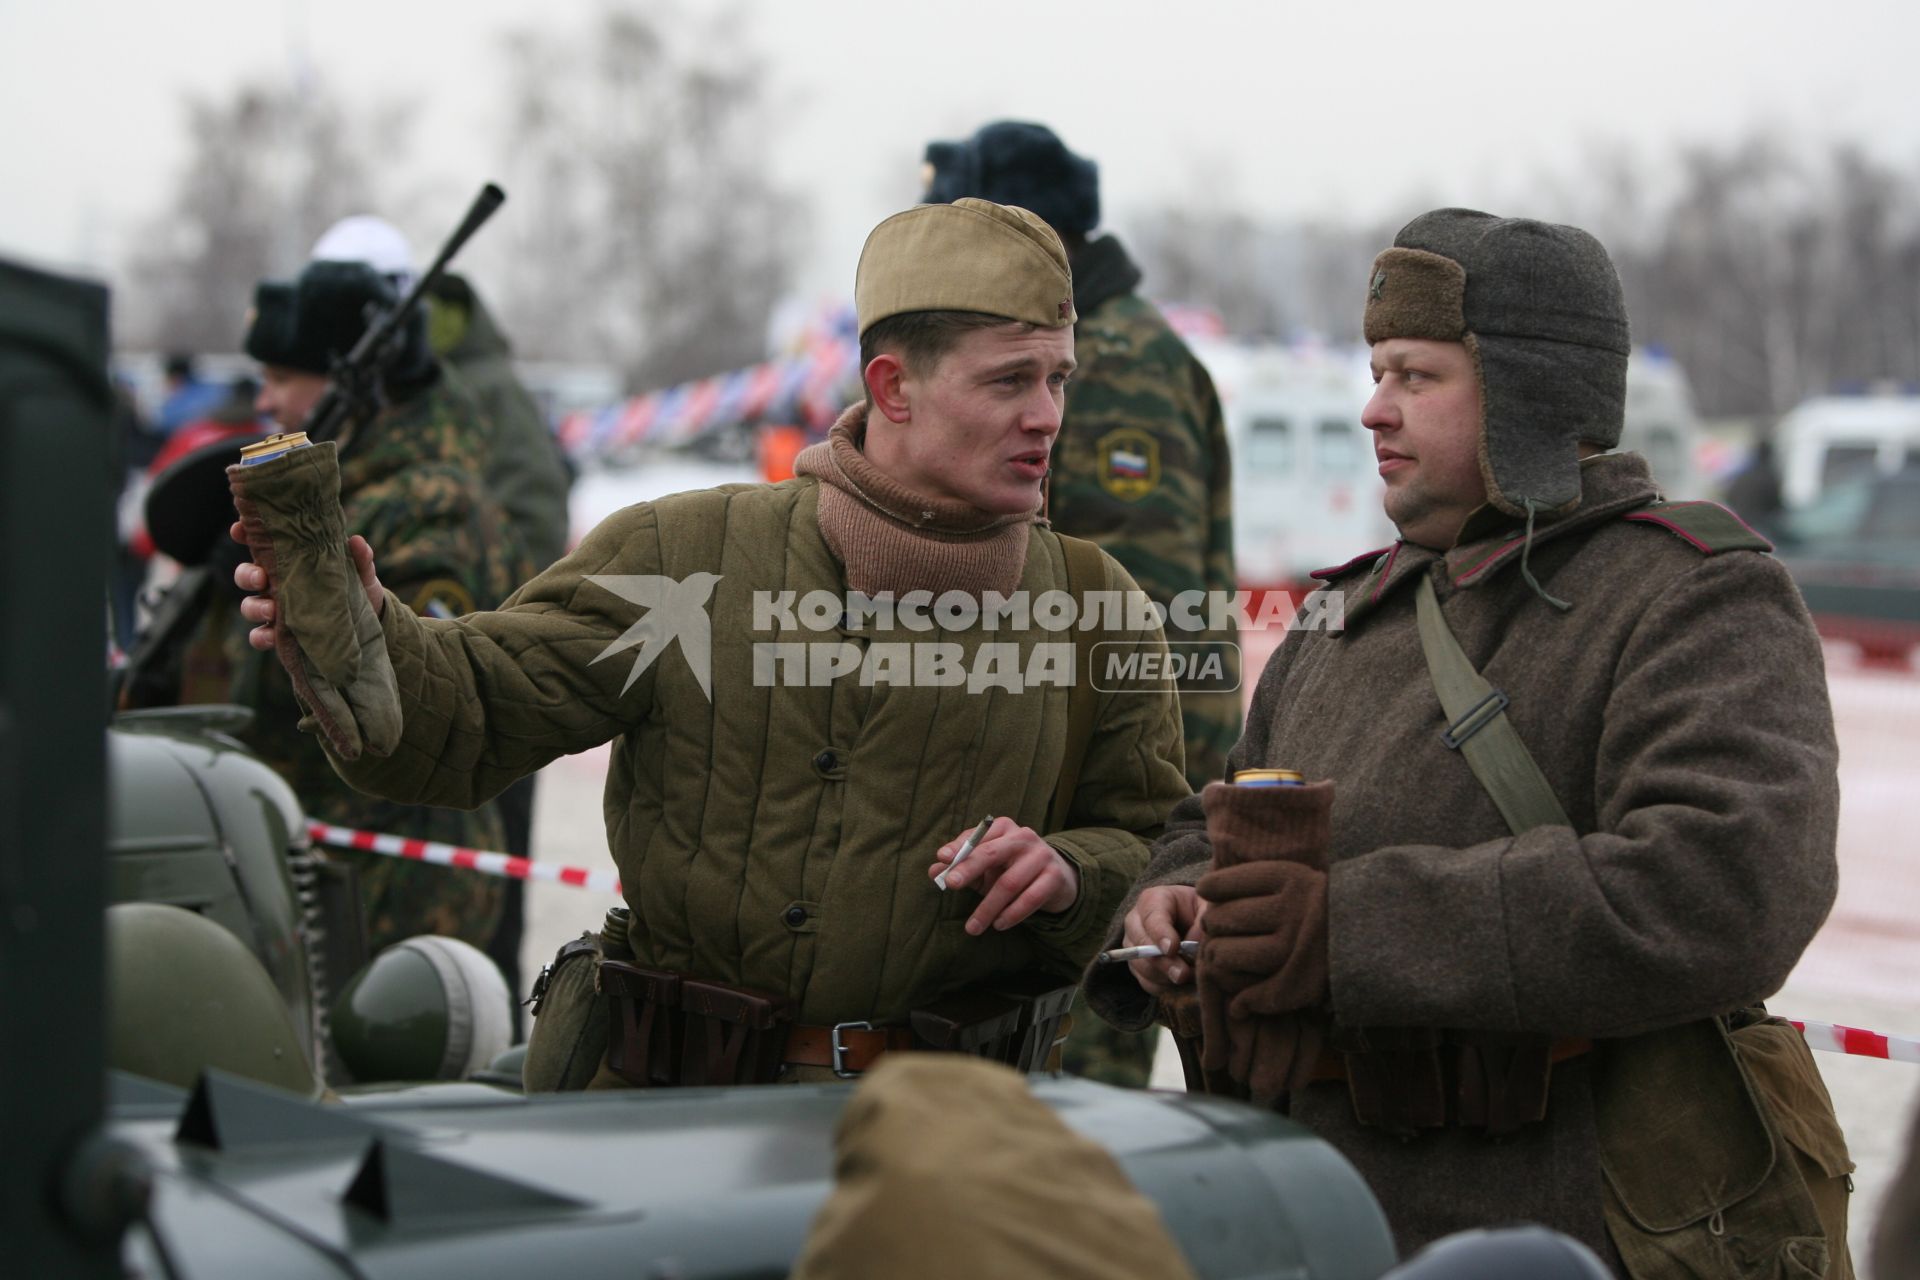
(410, 483)
(1141, 466)
(530, 477)
(528, 472)
(525, 471)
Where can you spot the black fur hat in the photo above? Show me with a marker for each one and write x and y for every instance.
(1011, 162)
(310, 322)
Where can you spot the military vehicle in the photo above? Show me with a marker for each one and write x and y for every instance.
(1855, 553)
(115, 1174)
(195, 822)
(1826, 441)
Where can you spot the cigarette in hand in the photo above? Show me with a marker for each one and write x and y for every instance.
(960, 854)
(1121, 955)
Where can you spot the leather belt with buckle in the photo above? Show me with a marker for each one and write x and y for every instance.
(848, 1047)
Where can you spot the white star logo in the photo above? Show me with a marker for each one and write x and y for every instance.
(676, 609)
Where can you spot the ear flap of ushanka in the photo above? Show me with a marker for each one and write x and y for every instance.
(1540, 400)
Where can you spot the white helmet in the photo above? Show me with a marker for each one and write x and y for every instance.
(372, 240)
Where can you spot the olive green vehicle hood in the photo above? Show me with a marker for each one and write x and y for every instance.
(465, 1180)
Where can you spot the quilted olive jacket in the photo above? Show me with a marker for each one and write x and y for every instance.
(769, 835)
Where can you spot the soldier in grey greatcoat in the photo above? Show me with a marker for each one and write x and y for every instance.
(1502, 1020)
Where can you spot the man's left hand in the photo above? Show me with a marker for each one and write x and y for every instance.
(1017, 872)
(1266, 944)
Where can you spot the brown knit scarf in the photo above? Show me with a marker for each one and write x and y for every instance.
(891, 539)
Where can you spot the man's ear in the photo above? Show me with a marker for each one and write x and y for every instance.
(886, 378)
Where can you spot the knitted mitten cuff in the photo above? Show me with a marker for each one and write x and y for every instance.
(328, 638)
(1247, 824)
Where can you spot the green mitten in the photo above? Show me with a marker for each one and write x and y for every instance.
(329, 640)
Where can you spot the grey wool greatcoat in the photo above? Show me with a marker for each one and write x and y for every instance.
(1679, 710)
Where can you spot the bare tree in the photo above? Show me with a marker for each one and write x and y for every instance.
(1775, 273)
(1276, 280)
(648, 232)
(1219, 259)
(1772, 271)
(268, 169)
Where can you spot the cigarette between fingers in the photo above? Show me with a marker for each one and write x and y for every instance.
(960, 854)
(1121, 955)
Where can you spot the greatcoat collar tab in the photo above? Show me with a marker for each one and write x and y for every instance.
(1612, 484)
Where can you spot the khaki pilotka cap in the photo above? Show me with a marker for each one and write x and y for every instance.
(971, 255)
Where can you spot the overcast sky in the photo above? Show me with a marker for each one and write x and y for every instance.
(1280, 108)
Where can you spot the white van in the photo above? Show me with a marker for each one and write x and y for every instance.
(1306, 490)
(1829, 440)
(1660, 423)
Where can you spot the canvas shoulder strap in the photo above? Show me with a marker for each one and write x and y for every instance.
(1478, 728)
(1085, 573)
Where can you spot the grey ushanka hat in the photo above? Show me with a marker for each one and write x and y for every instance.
(1539, 307)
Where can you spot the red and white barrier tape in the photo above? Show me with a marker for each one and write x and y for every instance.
(452, 855)
(1829, 1038)
(1824, 1036)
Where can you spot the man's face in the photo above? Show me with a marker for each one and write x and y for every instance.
(286, 395)
(984, 418)
(1425, 419)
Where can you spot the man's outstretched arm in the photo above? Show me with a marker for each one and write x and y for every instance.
(493, 696)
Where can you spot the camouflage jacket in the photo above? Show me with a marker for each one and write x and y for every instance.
(1142, 469)
(525, 470)
(410, 484)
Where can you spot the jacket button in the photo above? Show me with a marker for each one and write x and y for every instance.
(796, 915)
(827, 761)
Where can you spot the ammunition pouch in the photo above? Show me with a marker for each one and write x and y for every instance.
(1395, 1076)
(1045, 1019)
(667, 1029)
(981, 1024)
(731, 1035)
(1405, 1079)
(643, 1023)
(1019, 1021)
(1500, 1081)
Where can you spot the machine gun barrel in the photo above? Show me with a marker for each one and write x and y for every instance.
(352, 380)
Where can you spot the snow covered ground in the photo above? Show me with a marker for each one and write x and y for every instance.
(598, 494)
